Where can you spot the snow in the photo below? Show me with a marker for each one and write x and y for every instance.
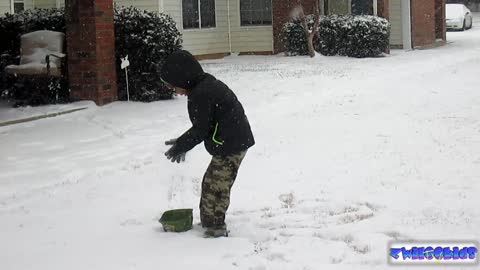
(350, 154)
(8, 113)
(35, 47)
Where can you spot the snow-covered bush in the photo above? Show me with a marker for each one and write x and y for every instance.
(12, 26)
(147, 38)
(293, 36)
(354, 36)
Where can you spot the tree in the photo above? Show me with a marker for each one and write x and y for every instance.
(310, 33)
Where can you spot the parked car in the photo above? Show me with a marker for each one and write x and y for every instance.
(458, 17)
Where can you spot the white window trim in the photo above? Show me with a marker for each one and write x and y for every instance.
(406, 25)
(200, 19)
(245, 27)
(160, 6)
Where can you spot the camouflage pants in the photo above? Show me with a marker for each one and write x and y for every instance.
(216, 185)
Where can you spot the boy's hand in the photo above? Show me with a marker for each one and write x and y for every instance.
(179, 158)
(173, 156)
(171, 142)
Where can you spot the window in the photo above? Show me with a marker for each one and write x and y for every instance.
(255, 12)
(353, 7)
(198, 14)
(18, 6)
(362, 7)
(340, 7)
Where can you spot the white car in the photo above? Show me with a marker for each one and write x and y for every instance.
(458, 17)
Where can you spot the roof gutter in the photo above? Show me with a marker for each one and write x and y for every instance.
(229, 27)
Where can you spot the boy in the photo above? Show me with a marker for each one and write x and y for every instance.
(218, 120)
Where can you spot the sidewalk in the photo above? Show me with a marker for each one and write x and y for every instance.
(10, 115)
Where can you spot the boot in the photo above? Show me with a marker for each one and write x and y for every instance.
(216, 231)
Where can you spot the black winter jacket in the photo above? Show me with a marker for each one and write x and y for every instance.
(217, 117)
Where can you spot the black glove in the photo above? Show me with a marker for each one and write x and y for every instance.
(171, 142)
(173, 156)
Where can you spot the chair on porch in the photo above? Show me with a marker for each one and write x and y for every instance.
(41, 74)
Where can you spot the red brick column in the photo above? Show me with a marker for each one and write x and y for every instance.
(282, 10)
(91, 50)
(423, 22)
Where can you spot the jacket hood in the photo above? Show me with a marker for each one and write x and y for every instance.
(181, 69)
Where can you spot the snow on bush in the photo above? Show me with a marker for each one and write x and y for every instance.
(354, 36)
(147, 38)
(293, 36)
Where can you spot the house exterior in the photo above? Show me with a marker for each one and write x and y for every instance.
(414, 23)
(421, 23)
(12, 6)
(218, 27)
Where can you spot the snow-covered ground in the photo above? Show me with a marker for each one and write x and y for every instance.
(350, 154)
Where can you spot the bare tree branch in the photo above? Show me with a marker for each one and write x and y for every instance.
(310, 34)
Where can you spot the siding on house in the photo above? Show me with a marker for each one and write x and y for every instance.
(29, 4)
(216, 40)
(4, 7)
(46, 3)
(174, 8)
(251, 38)
(150, 5)
(396, 38)
(209, 40)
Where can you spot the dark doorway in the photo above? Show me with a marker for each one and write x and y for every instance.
(440, 19)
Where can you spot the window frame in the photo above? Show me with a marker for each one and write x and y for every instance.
(12, 5)
(191, 29)
(254, 25)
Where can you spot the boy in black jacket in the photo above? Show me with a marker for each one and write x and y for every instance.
(218, 120)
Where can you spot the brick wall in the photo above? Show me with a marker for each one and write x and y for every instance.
(91, 50)
(423, 23)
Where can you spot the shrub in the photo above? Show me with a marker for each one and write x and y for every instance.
(147, 38)
(293, 36)
(354, 36)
